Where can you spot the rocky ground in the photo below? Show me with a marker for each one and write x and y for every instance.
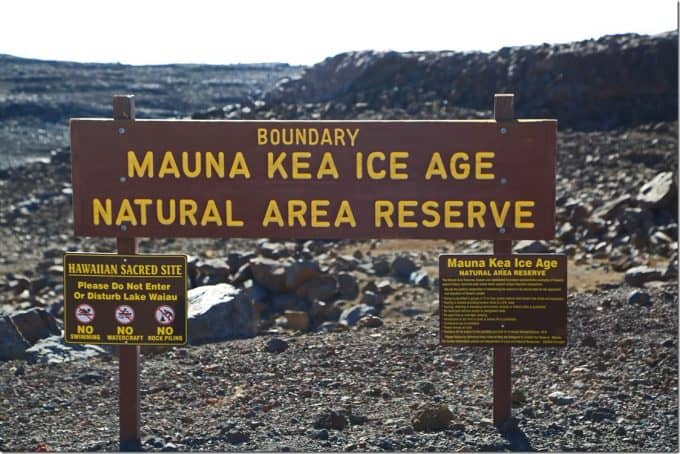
(341, 337)
(37, 97)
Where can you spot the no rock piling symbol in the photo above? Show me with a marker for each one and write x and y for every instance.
(125, 314)
(165, 315)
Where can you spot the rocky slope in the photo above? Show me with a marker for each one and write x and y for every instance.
(37, 97)
(345, 353)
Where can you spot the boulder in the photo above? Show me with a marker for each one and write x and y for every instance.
(276, 345)
(639, 298)
(220, 312)
(12, 344)
(323, 288)
(300, 272)
(212, 271)
(352, 315)
(639, 275)
(431, 417)
(531, 247)
(35, 323)
(419, 278)
(660, 192)
(330, 419)
(53, 350)
(347, 286)
(402, 267)
(270, 274)
(296, 320)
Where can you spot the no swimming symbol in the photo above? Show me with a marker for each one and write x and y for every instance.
(84, 313)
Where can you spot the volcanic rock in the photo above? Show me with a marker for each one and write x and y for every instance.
(12, 344)
(34, 324)
(276, 345)
(431, 417)
(300, 272)
(660, 192)
(220, 312)
(330, 419)
(52, 350)
(403, 266)
(640, 275)
(269, 273)
(347, 286)
(640, 298)
(352, 315)
(531, 247)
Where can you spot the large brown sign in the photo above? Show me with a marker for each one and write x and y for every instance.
(125, 299)
(414, 179)
(493, 300)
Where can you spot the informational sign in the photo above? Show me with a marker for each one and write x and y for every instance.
(302, 179)
(494, 300)
(125, 299)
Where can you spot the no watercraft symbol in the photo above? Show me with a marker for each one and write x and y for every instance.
(84, 313)
(125, 314)
(165, 315)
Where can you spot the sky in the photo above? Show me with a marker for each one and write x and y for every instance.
(305, 31)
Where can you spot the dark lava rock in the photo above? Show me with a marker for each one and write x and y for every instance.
(431, 417)
(639, 298)
(370, 321)
(599, 414)
(300, 272)
(348, 286)
(236, 436)
(352, 315)
(426, 387)
(269, 273)
(531, 247)
(419, 278)
(402, 267)
(34, 324)
(660, 192)
(276, 345)
(12, 344)
(640, 275)
(330, 419)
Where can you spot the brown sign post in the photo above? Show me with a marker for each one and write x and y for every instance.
(128, 355)
(481, 179)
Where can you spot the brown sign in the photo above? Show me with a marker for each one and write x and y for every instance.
(493, 300)
(368, 179)
(125, 299)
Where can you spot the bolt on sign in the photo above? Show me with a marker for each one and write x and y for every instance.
(125, 299)
(320, 179)
(493, 300)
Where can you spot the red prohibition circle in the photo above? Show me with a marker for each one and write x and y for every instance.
(165, 315)
(84, 313)
(124, 314)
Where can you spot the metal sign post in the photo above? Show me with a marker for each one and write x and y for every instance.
(504, 111)
(128, 355)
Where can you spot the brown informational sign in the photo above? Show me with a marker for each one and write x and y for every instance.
(125, 299)
(301, 179)
(494, 300)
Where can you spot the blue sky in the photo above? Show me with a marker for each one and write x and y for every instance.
(305, 31)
